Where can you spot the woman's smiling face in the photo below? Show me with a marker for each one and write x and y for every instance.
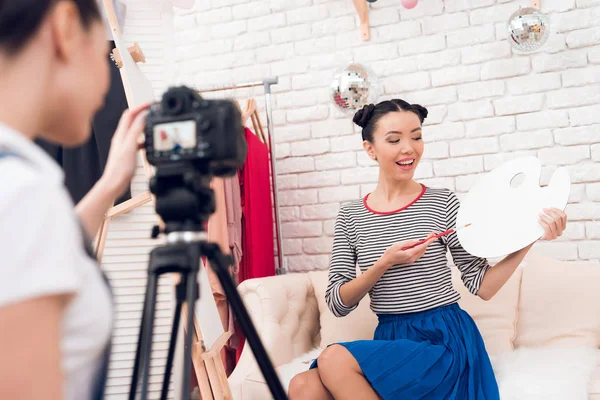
(397, 144)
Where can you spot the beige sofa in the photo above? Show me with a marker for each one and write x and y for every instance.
(545, 303)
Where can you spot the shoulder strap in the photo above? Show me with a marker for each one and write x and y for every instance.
(4, 153)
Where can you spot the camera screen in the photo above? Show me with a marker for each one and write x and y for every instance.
(175, 136)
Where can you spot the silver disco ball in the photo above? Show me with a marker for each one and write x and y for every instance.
(528, 29)
(351, 88)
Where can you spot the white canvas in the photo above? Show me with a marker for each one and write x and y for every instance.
(138, 87)
(207, 313)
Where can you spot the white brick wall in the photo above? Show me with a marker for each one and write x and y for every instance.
(487, 102)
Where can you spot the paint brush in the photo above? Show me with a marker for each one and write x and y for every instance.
(438, 235)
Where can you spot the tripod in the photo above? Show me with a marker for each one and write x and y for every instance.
(210, 143)
(182, 255)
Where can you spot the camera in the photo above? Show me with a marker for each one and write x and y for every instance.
(190, 140)
(186, 128)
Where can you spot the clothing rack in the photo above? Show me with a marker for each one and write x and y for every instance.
(266, 83)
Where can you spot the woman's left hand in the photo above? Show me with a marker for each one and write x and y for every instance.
(122, 158)
(554, 222)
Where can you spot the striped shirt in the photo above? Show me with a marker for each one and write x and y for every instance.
(362, 235)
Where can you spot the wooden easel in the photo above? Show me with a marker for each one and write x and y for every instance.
(207, 363)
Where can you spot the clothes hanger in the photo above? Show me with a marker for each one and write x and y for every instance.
(258, 129)
(251, 111)
(239, 107)
(248, 110)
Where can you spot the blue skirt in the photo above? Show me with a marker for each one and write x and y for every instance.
(435, 354)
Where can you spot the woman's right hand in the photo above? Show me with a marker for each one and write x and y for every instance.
(352, 292)
(394, 255)
(122, 157)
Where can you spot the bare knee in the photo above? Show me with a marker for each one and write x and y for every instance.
(335, 363)
(306, 385)
(334, 357)
(299, 385)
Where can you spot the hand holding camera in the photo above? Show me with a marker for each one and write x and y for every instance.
(122, 158)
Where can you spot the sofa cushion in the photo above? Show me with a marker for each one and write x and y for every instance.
(359, 324)
(495, 318)
(546, 372)
(559, 304)
(255, 386)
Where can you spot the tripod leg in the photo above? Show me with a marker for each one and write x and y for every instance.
(192, 295)
(219, 263)
(180, 295)
(147, 346)
(138, 352)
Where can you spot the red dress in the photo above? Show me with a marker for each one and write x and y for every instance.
(258, 259)
(258, 254)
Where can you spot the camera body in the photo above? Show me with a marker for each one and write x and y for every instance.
(184, 128)
(190, 140)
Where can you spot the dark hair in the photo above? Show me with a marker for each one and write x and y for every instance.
(368, 116)
(21, 19)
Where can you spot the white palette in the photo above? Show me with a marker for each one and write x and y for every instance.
(505, 218)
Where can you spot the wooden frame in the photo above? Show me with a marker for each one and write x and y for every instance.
(207, 363)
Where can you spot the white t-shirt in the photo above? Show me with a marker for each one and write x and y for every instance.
(42, 252)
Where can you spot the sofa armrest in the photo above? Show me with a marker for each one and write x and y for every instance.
(286, 316)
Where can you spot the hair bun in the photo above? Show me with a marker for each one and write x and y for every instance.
(422, 111)
(362, 116)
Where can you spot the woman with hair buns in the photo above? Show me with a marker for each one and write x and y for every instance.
(425, 346)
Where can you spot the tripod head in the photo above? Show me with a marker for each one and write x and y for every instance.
(184, 199)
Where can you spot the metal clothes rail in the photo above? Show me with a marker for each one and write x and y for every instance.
(266, 83)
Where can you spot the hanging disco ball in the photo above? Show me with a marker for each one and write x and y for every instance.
(528, 29)
(352, 88)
